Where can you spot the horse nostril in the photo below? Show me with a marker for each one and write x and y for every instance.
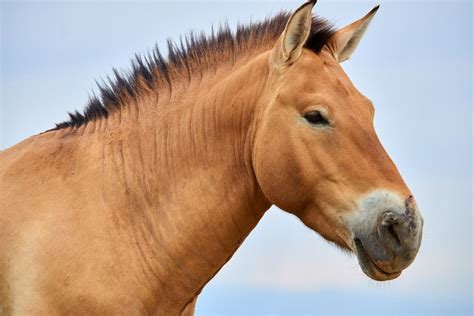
(393, 234)
(388, 229)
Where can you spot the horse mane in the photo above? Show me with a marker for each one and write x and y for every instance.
(191, 56)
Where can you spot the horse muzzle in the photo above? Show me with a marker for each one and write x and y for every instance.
(387, 236)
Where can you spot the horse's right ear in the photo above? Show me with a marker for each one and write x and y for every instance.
(290, 44)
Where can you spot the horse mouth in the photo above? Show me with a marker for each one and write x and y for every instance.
(369, 267)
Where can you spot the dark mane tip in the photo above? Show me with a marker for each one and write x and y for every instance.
(191, 55)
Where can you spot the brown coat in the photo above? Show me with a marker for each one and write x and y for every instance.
(133, 208)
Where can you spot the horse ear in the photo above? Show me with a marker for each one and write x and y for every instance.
(290, 43)
(344, 41)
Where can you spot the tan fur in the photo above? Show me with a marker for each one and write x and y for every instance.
(134, 214)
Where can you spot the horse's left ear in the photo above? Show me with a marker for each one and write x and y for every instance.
(290, 44)
(344, 41)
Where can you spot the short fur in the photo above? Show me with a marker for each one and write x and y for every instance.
(136, 213)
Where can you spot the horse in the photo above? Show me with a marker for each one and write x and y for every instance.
(132, 206)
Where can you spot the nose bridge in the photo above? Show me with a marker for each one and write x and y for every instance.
(380, 171)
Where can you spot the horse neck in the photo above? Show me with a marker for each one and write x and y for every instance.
(186, 172)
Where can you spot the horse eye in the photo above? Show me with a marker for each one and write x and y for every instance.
(316, 118)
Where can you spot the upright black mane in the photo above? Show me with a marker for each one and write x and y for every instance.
(188, 56)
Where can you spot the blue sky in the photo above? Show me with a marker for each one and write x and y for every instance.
(415, 64)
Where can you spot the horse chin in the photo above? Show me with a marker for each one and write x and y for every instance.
(370, 268)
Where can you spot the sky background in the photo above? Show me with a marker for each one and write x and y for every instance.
(415, 64)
